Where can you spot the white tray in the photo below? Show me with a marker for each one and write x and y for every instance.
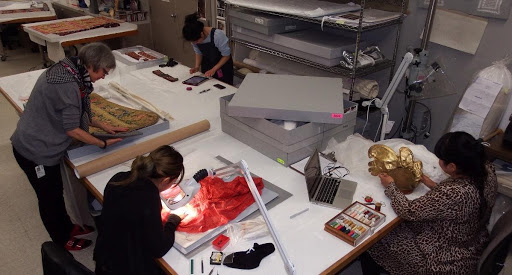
(139, 64)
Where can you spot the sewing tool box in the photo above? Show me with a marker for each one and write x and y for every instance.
(355, 223)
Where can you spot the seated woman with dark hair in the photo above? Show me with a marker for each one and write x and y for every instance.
(131, 234)
(444, 231)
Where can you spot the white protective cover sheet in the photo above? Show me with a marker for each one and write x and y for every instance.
(354, 150)
(310, 8)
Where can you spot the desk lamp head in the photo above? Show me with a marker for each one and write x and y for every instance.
(181, 193)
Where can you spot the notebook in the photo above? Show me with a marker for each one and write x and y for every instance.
(327, 191)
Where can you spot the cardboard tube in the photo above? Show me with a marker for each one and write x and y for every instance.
(493, 134)
(131, 152)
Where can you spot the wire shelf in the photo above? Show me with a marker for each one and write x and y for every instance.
(336, 69)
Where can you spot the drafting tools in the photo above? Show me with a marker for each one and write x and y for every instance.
(211, 271)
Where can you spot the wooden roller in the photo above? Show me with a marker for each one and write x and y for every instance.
(131, 152)
(493, 134)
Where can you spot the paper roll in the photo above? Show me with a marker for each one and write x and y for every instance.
(131, 152)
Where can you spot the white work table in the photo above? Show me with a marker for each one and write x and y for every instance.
(22, 17)
(311, 249)
(55, 43)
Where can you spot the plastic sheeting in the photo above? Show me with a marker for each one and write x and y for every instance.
(480, 127)
(355, 148)
(311, 8)
(216, 203)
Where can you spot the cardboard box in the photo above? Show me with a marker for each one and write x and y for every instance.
(279, 144)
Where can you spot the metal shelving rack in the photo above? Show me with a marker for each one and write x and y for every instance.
(359, 29)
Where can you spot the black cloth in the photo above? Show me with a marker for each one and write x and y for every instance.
(131, 234)
(251, 258)
(212, 56)
(49, 191)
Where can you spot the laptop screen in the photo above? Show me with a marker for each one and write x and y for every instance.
(313, 172)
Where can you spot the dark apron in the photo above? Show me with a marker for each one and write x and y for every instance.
(212, 56)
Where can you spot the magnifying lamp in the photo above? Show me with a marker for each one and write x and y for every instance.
(188, 189)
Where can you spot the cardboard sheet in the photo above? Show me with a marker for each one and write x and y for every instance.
(458, 30)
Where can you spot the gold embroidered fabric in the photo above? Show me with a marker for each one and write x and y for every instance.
(117, 115)
(401, 167)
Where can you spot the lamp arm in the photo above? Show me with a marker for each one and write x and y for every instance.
(288, 265)
(406, 61)
(383, 103)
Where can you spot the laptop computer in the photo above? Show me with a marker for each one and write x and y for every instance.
(324, 190)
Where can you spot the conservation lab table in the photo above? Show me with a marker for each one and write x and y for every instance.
(55, 43)
(311, 249)
(12, 12)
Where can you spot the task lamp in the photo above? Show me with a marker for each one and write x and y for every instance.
(423, 80)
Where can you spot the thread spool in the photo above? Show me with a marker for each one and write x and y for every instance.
(377, 206)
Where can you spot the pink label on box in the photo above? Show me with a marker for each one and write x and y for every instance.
(336, 115)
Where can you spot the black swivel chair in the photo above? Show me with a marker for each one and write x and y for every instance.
(58, 261)
(494, 255)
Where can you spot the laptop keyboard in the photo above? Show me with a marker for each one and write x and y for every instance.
(328, 190)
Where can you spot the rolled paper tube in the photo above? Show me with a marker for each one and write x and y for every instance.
(131, 152)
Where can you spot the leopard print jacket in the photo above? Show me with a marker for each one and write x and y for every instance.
(441, 233)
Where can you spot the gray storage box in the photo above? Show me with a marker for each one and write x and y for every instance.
(266, 23)
(237, 33)
(290, 97)
(313, 45)
(279, 144)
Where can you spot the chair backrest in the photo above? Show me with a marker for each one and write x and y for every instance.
(58, 261)
(496, 252)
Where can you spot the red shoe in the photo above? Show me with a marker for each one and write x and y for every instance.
(78, 230)
(77, 244)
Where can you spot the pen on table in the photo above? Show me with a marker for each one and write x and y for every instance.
(298, 213)
(204, 91)
(202, 266)
(191, 266)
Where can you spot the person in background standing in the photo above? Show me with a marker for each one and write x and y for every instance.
(212, 50)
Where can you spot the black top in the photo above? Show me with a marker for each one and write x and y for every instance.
(131, 234)
(212, 56)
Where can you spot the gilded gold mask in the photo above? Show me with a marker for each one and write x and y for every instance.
(402, 167)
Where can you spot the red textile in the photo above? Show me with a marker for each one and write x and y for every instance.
(216, 203)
